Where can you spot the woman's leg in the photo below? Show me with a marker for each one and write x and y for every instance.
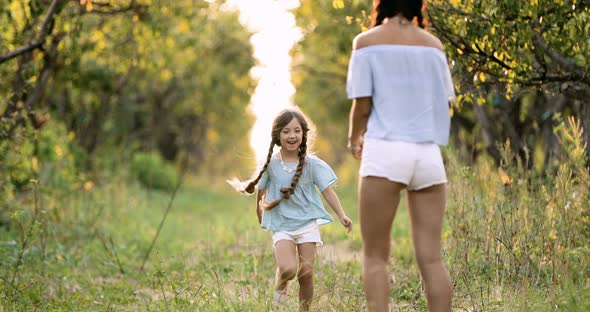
(286, 256)
(379, 199)
(427, 208)
(305, 274)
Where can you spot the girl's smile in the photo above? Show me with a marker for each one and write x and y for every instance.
(291, 136)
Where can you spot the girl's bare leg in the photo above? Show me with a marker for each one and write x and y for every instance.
(427, 208)
(285, 254)
(379, 199)
(307, 253)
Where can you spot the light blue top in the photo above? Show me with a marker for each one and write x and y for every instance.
(305, 205)
(410, 88)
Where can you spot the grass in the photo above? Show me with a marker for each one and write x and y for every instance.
(211, 255)
(513, 241)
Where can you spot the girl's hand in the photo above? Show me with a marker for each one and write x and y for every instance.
(259, 211)
(346, 222)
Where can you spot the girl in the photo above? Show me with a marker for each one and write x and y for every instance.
(289, 206)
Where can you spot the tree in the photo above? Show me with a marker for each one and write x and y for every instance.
(519, 63)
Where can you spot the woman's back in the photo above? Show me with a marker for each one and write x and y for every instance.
(403, 69)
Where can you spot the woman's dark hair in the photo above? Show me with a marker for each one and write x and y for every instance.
(409, 9)
(280, 122)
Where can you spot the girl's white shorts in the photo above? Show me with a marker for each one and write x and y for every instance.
(307, 234)
(417, 165)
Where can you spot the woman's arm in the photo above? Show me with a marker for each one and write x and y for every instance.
(334, 203)
(359, 116)
(259, 198)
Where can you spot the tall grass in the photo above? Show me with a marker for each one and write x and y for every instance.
(510, 229)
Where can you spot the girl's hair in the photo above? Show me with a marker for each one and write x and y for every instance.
(409, 9)
(282, 119)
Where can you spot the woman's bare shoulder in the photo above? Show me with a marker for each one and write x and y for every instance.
(364, 39)
(417, 36)
(430, 40)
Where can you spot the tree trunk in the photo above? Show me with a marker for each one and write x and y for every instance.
(585, 119)
(489, 137)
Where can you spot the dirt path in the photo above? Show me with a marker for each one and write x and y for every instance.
(338, 253)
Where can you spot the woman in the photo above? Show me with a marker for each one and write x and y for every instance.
(400, 85)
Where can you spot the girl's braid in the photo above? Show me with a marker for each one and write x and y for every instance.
(251, 185)
(299, 171)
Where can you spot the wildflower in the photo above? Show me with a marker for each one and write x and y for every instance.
(88, 185)
(35, 164)
(504, 177)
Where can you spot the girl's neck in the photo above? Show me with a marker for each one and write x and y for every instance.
(286, 156)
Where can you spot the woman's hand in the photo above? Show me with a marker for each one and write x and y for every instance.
(356, 149)
(357, 125)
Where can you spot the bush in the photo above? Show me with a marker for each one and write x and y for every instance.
(152, 172)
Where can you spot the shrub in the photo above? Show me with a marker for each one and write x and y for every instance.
(152, 172)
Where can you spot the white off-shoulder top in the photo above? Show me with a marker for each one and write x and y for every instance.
(410, 88)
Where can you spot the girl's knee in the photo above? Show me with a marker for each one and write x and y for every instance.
(287, 272)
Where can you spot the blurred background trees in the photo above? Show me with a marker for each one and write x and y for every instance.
(87, 85)
(102, 80)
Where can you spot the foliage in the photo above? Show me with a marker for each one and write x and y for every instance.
(49, 160)
(148, 74)
(520, 63)
(516, 66)
(86, 84)
(153, 172)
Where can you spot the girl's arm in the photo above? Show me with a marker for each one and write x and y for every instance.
(334, 203)
(259, 198)
(359, 116)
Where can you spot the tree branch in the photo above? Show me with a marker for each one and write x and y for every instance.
(558, 58)
(535, 81)
(40, 40)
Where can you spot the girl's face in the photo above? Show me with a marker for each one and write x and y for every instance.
(291, 136)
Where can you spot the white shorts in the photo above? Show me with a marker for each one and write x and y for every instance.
(417, 165)
(307, 234)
